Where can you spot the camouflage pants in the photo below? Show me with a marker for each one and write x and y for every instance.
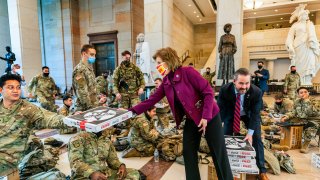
(129, 100)
(292, 94)
(310, 130)
(47, 103)
(132, 174)
(146, 149)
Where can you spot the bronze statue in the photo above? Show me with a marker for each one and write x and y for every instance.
(10, 58)
(227, 48)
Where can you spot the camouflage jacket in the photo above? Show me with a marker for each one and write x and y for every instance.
(42, 86)
(17, 124)
(284, 108)
(102, 85)
(142, 130)
(162, 101)
(209, 76)
(64, 110)
(131, 75)
(304, 109)
(84, 85)
(89, 153)
(292, 81)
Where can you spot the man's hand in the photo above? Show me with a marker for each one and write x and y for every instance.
(248, 138)
(140, 91)
(203, 125)
(259, 75)
(98, 176)
(31, 95)
(118, 96)
(284, 118)
(78, 112)
(122, 172)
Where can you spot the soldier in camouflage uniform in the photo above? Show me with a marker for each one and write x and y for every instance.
(102, 83)
(18, 119)
(43, 88)
(142, 135)
(304, 108)
(292, 83)
(282, 105)
(162, 113)
(65, 111)
(209, 76)
(83, 80)
(128, 82)
(92, 156)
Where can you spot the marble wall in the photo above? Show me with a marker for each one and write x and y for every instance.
(4, 33)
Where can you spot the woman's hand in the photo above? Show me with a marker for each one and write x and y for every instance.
(203, 125)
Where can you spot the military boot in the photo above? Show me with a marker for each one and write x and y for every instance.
(305, 147)
(130, 152)
(279, 147)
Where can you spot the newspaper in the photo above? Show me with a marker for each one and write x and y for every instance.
(97, 119)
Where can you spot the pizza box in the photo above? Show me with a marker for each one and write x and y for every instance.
(248, 169)
(237, 146)
(250, 160)
(97, 119)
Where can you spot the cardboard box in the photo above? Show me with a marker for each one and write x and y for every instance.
(98, 119)
(239, 160)
(315, 160)
(291, 136)
(237, 146)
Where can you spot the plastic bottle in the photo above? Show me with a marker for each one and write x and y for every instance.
(156, 155)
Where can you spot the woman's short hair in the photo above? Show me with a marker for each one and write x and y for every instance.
(169, 56)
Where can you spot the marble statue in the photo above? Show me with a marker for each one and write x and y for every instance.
(227, 48)
(143, 58)
(303, 45)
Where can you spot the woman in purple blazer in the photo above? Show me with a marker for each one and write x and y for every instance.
(189, 94)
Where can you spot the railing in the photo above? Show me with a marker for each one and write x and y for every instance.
(185, 56)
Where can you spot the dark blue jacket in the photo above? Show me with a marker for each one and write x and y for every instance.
(262, 82)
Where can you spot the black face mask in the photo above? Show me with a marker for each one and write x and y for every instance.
(126, 63)
(260, 67)
(208, 72)
(45, 74)
(293, 72)
(279, 103)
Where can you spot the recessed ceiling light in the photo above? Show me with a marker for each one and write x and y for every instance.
(198, 16)
(200, 19)
(312, 15)
(254, 13)
(189, 5)
(276, 10)
(194, 12)
(281, 18)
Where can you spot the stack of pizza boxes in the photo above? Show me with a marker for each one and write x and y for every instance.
(241, 154)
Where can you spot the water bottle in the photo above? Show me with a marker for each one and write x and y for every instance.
(156, 155)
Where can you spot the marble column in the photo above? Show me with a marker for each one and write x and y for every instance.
(230, 11)
(317, 22)
(270, 66)
(25, 36)
(158, 15)
(4, 33)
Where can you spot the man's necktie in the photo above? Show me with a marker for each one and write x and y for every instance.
(236, 119)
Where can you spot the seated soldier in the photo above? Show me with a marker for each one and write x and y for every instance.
(103, 100)
(282, 105)
(304, 109)
(92, 156)
(18, 118)
(163, 113)
(67, 103)
(143, 135)
(65, 111)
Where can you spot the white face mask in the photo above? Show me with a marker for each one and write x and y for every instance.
(19, 71)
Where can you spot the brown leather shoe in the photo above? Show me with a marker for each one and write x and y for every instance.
(263, 176)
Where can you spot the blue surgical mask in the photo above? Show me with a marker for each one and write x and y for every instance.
(91, 60)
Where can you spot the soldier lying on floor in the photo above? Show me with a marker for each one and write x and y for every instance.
(18, 119)
(92, 156)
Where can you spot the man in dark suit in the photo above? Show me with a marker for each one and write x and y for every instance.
(261, 77)
(242, 101)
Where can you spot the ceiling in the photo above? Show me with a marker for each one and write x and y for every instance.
(202, 11)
